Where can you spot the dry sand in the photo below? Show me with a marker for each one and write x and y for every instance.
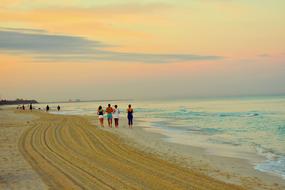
(67, 152)
(15, 171)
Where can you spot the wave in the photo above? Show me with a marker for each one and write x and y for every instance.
(281, 130)
(220, 141)
(275, 162)
(276, 166)
(190, 113)
(239, 114)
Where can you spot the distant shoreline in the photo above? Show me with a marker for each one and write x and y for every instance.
(17, 102)
(82, 101)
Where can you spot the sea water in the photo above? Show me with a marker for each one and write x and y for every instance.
(233, 127)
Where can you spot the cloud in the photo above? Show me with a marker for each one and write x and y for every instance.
(40, 43)
(54, 47)
(22, 30)
(45, 4)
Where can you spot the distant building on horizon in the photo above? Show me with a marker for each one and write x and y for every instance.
(76, 100)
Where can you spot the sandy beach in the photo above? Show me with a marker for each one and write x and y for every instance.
(15, 171)
(45, 151)
(228, 169)
(194, 90)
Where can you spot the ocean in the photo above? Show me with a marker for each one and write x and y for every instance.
(232, 127)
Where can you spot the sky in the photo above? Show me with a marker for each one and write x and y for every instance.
(129, 49)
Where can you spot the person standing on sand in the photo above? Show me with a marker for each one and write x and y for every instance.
(47, 108)
(58, 108)
(31, 107)
(116, 114)
(100, 113)
(109, 111)
(130, 112)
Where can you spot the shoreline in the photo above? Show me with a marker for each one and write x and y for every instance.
(228, 169)
(69, 152)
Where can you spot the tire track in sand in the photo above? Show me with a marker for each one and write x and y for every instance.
(70, 153)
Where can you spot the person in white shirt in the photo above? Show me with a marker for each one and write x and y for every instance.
(116, 114)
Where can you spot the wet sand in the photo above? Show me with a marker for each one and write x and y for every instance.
(225, 168)
(68, 152)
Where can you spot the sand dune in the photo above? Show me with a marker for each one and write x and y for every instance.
(70, 153)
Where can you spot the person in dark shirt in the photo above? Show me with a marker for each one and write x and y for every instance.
(130, 112)
(100, 113)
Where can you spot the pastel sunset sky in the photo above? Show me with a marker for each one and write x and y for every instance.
(87, 49)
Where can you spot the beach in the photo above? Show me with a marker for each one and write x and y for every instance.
(47, 151)
(15, 171)
(227, 169)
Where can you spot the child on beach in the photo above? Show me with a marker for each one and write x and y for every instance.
(116, 114)
(109, 111)
(100, 113)
(130, 116)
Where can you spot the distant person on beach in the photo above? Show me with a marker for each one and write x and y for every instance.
(100, 113)
(47, 108)
(130, 112)
(58, 108)
(109, 111)
(23, 107)
(116, 114)
(31, 107)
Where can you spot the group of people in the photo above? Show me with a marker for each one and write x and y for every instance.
(22, 107)
(31, 107)
(114, 113)
(111, 112)
(47, 108)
